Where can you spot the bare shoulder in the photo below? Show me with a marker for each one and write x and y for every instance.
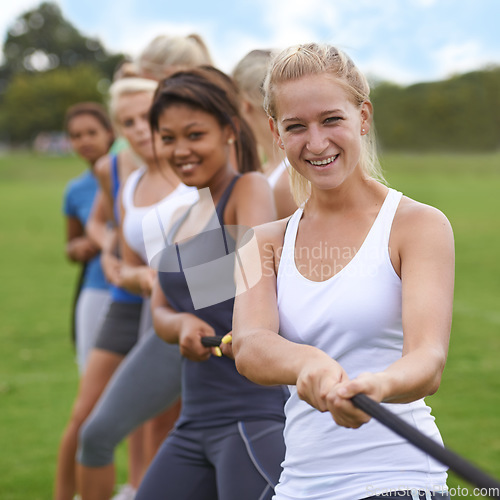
(414, 212)
(415, 220)
(272, 233)
(127, 163)
(252, 181)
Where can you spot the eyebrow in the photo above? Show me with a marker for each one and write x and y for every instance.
(328, 112)
(189, 125)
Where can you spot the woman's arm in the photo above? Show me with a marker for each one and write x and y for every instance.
(135, 275)
(79, 248)
(261, 354)
(102, 171)
(175, 327)
(97, 225)
(424, 243)
(253, 202)
(110, 263)
(423, 240)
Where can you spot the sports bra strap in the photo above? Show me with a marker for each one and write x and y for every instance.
(221, 205)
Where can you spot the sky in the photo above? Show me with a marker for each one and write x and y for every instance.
(403, 41)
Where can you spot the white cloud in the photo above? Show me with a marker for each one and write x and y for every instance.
(425, 3)
(461, 57)
(383, 68)
(119, 30)
(292, 22)
(383, 38)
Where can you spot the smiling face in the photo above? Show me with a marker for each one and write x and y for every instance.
(194, 144)
(320, 129)
(88, 136)
(132, 116)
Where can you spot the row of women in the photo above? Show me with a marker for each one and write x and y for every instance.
(349, 293)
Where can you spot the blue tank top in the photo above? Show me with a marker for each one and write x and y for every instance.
(119, 294)
(213, 392)
(78, 201)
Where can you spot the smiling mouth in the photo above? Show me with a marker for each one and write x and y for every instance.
(323, 162)
(187, 167)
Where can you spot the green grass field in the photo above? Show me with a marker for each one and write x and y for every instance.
(38, 376)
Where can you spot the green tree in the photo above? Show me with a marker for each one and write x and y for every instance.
(41, 39)
(37, 102)
(457, 114)
(48, 65)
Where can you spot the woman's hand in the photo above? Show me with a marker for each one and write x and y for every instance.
(147, 278)
(226, 346)
(324, 384)
(342, 409)
(137, 279)
(81, 249)
(192, 329)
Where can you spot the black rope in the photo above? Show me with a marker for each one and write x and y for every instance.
(447, 457)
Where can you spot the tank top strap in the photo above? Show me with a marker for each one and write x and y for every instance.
(381, 229)
(221, 205)
(292, 226)
(130, 186)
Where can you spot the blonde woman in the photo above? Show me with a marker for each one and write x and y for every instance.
(249, 74)
(168, 53)
(359, 285)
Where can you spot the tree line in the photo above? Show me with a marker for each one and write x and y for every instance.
(461, 113)
(49, 65)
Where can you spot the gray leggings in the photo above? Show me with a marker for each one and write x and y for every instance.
(241, 461)
(146, 383)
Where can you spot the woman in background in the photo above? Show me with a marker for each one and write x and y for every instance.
(119, 330)
(249, 74)
(91, 135)
(148, 382)
(228, 442)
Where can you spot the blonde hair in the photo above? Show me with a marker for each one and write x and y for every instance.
(166, 52)
(250, 73)
(316, 59)
(127, 86)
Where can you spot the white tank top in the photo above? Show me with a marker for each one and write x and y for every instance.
(276, 173)
(132, 222)
(355, 317)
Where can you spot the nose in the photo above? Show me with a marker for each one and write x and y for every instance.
(142, 126)
(181, 149)
(317, 140)
(86, 140)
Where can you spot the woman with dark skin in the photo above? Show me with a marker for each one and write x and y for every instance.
(228, 441)
(91, 135)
